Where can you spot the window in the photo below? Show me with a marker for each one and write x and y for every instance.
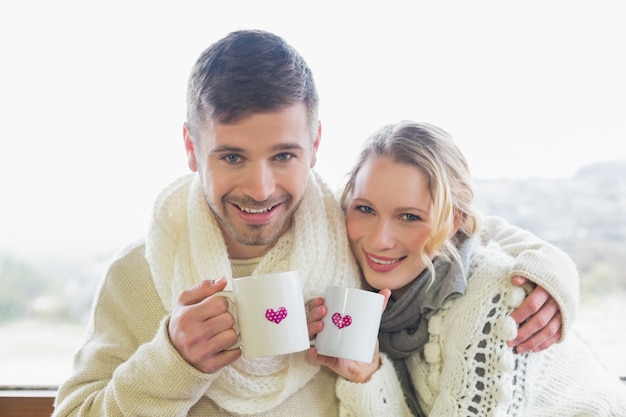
(92, 119)
(583, 215)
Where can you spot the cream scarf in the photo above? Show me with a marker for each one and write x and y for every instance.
(185, 245)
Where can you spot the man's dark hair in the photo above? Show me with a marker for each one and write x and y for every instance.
(246, 72)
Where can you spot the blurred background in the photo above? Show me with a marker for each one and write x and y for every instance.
(92, 101)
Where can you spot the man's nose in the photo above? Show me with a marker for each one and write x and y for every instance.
(259, 182)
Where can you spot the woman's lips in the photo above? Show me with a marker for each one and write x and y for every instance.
(381, 263)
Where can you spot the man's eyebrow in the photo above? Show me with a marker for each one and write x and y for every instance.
(227, 148)
(235, 149)
(287, 146)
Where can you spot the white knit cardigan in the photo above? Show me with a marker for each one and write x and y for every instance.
(467, 370)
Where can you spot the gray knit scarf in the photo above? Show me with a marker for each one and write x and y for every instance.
(404, 325)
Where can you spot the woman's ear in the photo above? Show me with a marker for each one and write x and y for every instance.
(458, 220)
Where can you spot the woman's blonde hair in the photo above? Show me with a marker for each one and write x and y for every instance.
(432, 151)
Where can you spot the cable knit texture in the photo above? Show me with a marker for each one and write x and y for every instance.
(380, 397)
(466, 368)
(185, 245)
(127, 365)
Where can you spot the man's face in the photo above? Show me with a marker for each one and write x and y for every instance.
(254, 173)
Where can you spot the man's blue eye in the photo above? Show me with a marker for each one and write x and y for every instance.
(233, 159)
(283, 156)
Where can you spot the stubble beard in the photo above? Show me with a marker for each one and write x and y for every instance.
(252, 234)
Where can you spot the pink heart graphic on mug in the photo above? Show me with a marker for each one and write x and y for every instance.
(342, 322)
(276, 316)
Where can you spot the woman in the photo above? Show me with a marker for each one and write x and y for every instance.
(414, 230)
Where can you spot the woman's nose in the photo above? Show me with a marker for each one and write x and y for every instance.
(382, 236)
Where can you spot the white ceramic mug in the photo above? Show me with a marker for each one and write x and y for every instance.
(351, 324)
(270, 314)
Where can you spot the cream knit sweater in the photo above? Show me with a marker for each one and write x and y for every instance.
(467, 370)
(127, 365)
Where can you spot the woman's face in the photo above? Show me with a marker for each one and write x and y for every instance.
(388, 220)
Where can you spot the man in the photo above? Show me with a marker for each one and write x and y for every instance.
(158, 342)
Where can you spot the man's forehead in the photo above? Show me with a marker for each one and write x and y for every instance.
(283, 129)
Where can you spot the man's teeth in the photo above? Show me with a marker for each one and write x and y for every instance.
(381, 262)
(255, 211)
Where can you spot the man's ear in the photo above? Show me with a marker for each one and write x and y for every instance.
(190, 149)
(316, 144)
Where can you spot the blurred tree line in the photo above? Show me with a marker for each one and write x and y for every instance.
(584, 215)
(60, 293)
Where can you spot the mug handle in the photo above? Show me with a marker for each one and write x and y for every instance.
(231, 298)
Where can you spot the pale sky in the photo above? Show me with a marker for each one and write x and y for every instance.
(92, 95)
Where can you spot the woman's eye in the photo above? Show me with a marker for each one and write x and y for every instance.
(364, 209)
(411, 217)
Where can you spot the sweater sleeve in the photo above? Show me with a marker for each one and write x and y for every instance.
(542, 263)
(467, 369)
(380, 396)
(127, 365)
